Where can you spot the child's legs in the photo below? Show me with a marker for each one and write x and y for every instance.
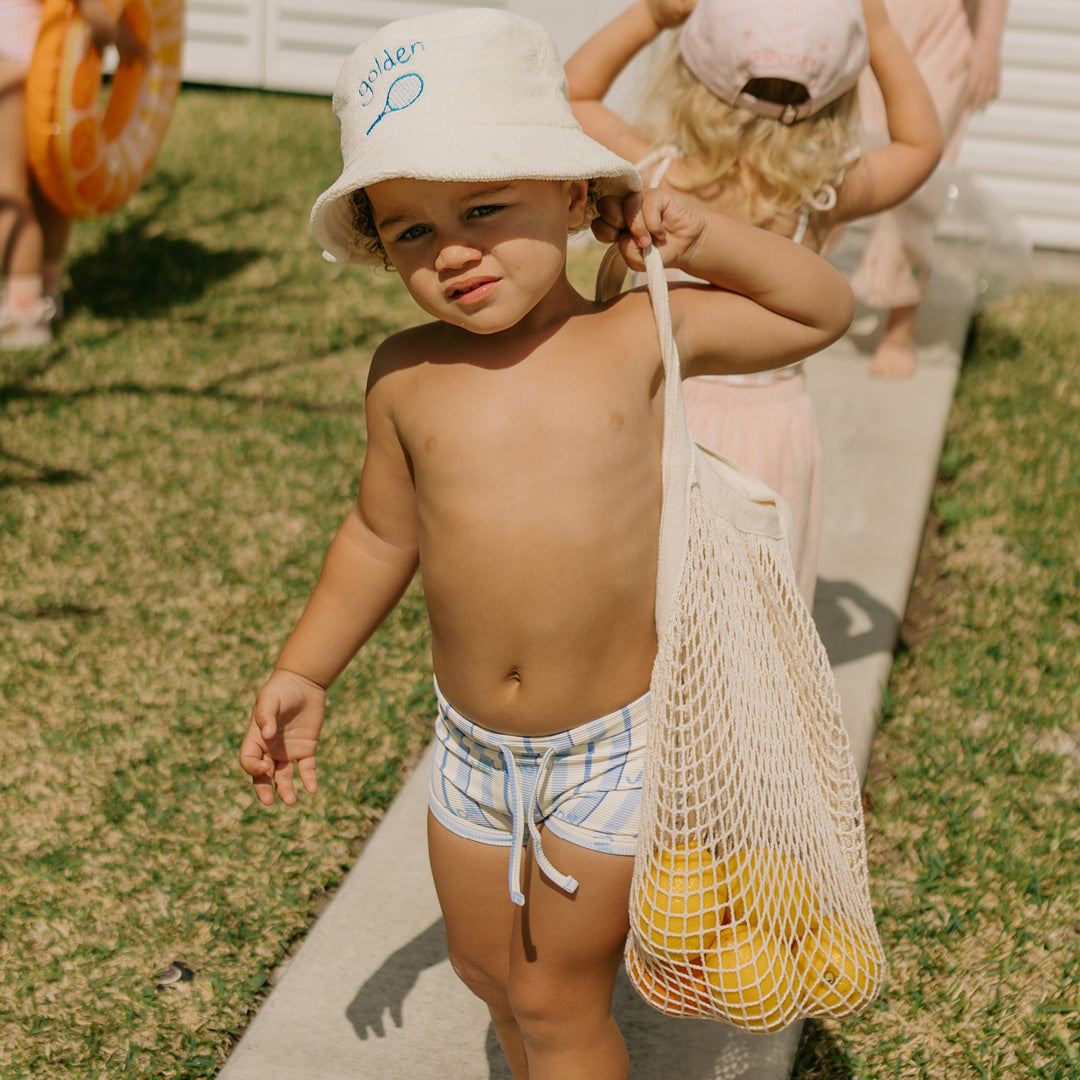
(547, 971)
(564, 962)
(471, 883)
(21, 245)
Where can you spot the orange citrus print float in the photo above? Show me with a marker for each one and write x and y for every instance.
(87, 160)
(744, 940)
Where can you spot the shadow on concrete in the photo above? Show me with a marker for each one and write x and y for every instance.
(852, 623)
(383, 995)
(658, 1045)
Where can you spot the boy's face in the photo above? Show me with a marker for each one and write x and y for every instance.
(479, 255)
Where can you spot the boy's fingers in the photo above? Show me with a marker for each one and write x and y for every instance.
(264, 719)
(253, 759)
(283, 781)
(306, 767)
(264, 790)
(605, 233)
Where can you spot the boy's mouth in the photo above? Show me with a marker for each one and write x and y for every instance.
(473, 290)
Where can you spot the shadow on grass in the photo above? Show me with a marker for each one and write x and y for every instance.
(137, 269)
(135, 272)
(821, 1056)
(16, 470)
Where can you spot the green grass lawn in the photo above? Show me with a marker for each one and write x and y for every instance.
(171, 471)
(974, 782)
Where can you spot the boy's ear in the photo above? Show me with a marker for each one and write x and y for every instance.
(578, 200)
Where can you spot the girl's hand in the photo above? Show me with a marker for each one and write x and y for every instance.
(667, 13)
(657, 217)
(284, 729)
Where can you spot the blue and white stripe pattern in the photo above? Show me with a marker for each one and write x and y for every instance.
(583, 784)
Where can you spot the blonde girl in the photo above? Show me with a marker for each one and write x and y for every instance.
(752, 111)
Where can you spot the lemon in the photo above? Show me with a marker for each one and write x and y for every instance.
(770, 889)
(678, 913)
(679, 909)
(839, 970)
(750, 975)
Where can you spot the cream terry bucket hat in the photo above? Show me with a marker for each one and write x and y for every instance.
(463, 95)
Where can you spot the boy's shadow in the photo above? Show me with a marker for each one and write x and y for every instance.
(658, 1045)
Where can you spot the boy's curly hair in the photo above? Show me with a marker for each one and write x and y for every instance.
(366, 236)
(780, 166)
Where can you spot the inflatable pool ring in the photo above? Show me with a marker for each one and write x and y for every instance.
(88, 160)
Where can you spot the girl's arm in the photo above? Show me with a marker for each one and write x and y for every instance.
(368, 566)
(984, 64)
(591, 71)
(775, 302)
(886, 175)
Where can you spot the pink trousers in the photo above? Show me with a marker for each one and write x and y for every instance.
(771, 431)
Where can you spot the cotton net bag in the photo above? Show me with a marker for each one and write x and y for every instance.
(750, 898)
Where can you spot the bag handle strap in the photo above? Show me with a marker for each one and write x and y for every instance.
(678, 455)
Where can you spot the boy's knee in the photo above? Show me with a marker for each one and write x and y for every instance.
(488, 986)
(543, 1007)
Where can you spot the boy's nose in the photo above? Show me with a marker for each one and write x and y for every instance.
(455, 254)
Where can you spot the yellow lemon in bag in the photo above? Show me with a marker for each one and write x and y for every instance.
(838, 968)
(770, 889)
(750, 976)
(678, 914)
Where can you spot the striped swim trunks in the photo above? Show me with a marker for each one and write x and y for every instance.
(584, 785)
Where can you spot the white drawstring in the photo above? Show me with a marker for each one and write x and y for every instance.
(523, 825)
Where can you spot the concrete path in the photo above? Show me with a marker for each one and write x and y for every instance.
(371, 996)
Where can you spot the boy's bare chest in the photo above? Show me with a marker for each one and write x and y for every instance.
(584, 412)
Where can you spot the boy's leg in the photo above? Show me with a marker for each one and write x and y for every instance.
(565, 954)
(546, 971)
(480, 918)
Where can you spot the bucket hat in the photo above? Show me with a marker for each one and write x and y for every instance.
(820, 44)
(469, 94)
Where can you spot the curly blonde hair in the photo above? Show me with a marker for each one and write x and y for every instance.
(780, 166)
(366, 235)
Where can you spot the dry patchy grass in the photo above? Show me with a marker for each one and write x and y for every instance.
(975, 776)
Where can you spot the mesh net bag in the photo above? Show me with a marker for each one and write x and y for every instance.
(750, 898)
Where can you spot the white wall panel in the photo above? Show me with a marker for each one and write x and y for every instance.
(224, 42)
(1026, 147)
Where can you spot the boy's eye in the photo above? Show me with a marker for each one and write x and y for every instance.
(484, 211)
(413, 232)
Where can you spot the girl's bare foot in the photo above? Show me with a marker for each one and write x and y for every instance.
(894, 357)
(893, 360)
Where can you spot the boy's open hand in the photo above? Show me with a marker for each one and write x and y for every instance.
(284, 729)
(658, 217)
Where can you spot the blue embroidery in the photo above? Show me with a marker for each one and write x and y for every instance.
(382, 65)
(404, 90)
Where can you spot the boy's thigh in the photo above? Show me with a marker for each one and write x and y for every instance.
(557, 936)
(471, 883)
(573, 941)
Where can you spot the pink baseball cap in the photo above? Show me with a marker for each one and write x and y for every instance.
(820, 44)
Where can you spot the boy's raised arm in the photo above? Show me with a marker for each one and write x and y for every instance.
(780, 302)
